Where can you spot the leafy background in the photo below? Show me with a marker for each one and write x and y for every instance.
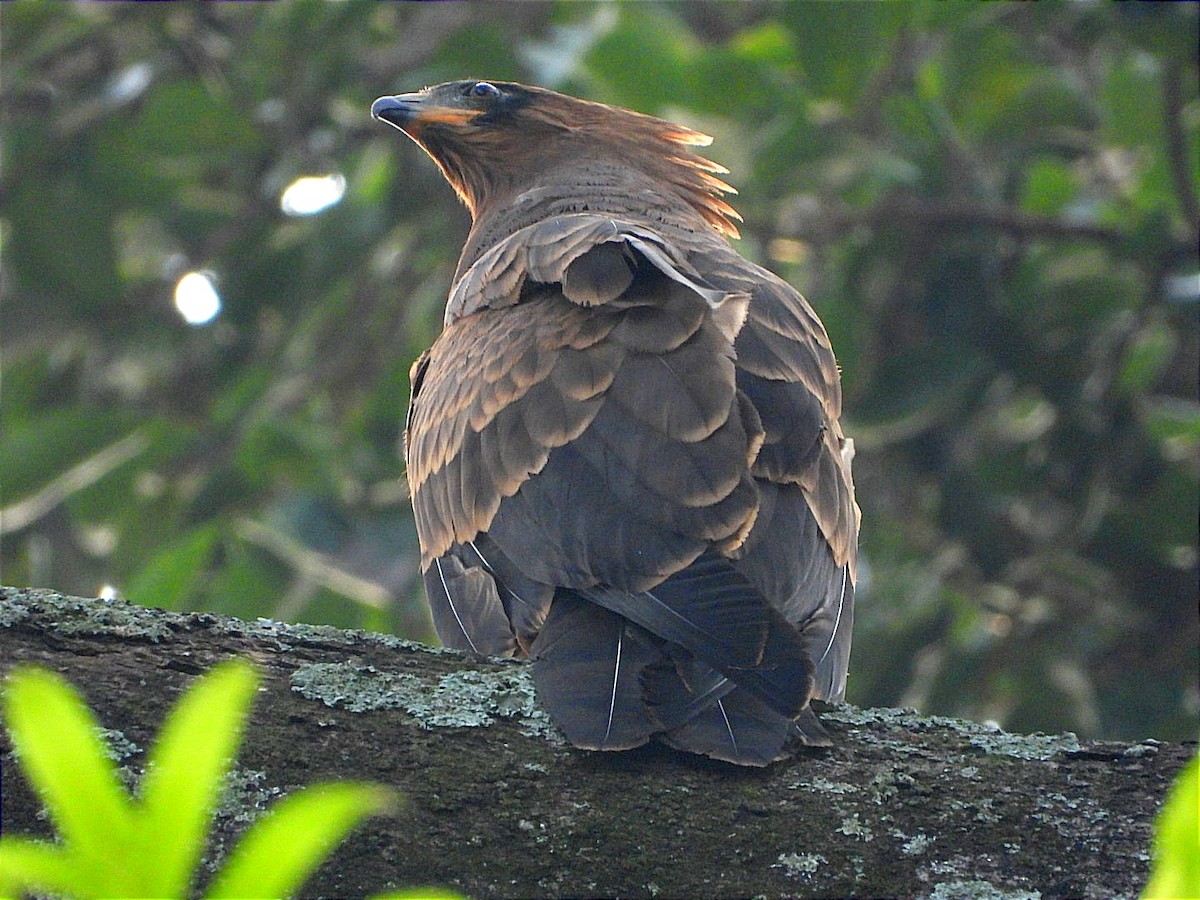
(993, 207)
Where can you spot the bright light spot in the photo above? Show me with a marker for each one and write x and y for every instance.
(98, 540)
(311, 194)
(1183, 288)
(197, 299)
(108, 592)
(130, 82)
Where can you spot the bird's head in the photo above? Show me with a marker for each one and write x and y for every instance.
(495, 139)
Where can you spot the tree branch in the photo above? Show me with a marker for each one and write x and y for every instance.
(498, 806)
(1177, 152)
(908, 211)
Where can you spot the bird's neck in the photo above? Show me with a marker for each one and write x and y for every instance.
(588, 187)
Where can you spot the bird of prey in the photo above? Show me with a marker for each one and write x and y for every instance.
(624, 448)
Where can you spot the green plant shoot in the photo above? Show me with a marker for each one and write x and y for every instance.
(1176, 870)
(115, 845)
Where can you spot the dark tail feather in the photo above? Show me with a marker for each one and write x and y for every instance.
(808, 730)
(713, 611)
(678, 692)
(587, 666)
(610, 685)
(703, 712)
(737, 728)
(467, 611)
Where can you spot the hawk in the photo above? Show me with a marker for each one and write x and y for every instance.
(624, 448)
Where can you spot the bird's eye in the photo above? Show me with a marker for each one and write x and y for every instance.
(483, 89)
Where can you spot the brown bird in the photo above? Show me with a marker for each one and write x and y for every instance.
(624, 448)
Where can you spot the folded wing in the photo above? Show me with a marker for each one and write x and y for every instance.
(623, 465)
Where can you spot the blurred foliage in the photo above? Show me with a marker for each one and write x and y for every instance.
(993, 207)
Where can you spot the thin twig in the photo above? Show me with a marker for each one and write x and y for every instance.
(25, 512)
(929, 212)
(314, 566)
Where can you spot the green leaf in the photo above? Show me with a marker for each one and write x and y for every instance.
(1176, 869)
(284, 847)
(1049, 186)
(840, 46)
(1148, 354)
(185, 773)
(768, 42)
(930, 81)
(216, 127)
(55, 735)
(644, 59)
(1133, 111)
(59, 210)
(27, 865)
(168, 578)
(1170, 419)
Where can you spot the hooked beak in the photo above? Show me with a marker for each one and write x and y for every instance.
(409, 112)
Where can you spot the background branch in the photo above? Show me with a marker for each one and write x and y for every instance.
(1177, 153)
(913, 212)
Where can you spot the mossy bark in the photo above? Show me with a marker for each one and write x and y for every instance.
(496, 805)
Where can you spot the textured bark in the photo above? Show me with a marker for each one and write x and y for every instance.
(497, 806)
